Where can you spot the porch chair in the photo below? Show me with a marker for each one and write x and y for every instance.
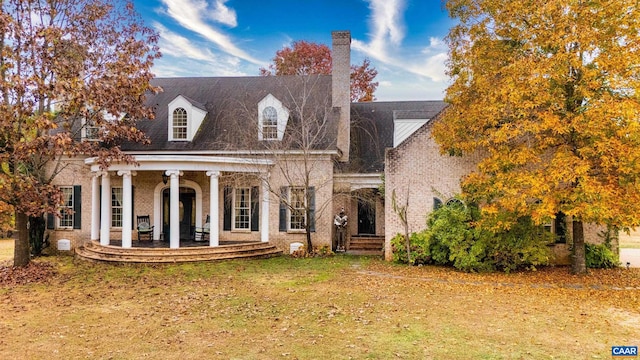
(144, 227)
(202, 233)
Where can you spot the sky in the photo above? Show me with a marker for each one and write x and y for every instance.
(403, 39)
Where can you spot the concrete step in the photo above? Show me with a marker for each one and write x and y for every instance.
(94, 251)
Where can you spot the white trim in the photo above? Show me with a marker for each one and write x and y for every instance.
(186, 163)
(225, 153)
(360, 181)
(282, 116)
(233, 209)
(195, 116)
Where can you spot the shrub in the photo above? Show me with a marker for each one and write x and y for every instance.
(599, 256)
(453, 238)
(419, 247)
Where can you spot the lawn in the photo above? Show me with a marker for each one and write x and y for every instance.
(341, 307)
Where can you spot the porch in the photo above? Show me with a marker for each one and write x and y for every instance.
(175, 206)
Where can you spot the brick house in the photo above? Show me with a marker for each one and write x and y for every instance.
(246, 157)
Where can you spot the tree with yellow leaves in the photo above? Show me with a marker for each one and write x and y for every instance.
(549, 92)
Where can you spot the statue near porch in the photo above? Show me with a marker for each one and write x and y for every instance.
(340, 222)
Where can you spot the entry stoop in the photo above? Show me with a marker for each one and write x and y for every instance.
(256, 250)
(366, 245)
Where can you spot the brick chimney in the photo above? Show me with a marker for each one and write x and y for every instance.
(340, 87)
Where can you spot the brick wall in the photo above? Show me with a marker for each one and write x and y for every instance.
(417, 166)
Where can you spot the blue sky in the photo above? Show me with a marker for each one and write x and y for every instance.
(403, 39)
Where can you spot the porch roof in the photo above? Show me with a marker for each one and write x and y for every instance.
(187, 163)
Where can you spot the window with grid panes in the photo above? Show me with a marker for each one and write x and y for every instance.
(269, 123)
(66, 219)
(242, 209)
(297, 211)
(179, 124)
(116, 207)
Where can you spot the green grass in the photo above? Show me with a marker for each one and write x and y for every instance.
(333, 308)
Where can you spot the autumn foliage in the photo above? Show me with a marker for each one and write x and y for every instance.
(66, 67)
(548, 92)
(307, 58)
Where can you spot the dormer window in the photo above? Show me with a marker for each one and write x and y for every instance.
(272, 118)
(269, 123)
(179, 124)
(185, 117)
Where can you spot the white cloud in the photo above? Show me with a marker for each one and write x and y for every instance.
(179, 46)
(387, 31)
(223, 14)
(189, 14)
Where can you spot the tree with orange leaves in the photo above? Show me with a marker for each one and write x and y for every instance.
(550, 93)
(66, 67)
(306, 58)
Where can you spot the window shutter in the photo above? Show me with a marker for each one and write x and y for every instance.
(311, 198)
(437, 203)
(77, 207)
(226, 221)
(283, 209)
(51, 221)
(255, 209)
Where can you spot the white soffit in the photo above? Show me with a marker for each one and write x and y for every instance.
(403, 128)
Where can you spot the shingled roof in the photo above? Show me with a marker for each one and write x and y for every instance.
(372, 125)
(231, 104)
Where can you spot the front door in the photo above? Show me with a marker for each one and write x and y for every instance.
(187, 217)
(366, 217)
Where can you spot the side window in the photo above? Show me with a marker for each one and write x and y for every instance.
(297, 210)
(179, 124)
(242, 209)
(66, 212)
(116, 207)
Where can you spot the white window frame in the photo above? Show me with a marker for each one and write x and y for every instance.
(116, 210)
(269, 123)
(184, 128)
(236, 209)
(281, 121)
(66, 219)
(296, 207)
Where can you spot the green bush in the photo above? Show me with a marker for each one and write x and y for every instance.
(599, 256)
(419, 246)
(453, 238)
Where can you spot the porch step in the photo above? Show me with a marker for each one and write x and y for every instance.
(96, 252)
(366, 245)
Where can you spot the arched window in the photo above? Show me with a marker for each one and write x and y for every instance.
(269, 123)
(455, 202)
(179, 124)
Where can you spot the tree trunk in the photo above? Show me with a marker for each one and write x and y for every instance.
(407, 241)
(37, 241)
(578, 257)
(308, 234)
(21, 237)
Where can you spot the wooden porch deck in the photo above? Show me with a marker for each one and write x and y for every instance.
(189, 251)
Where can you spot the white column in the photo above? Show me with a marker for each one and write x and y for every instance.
(264, 211)
(174, 205)
(105, 211)
(214, 224)
(127, 207)
(95, 206)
